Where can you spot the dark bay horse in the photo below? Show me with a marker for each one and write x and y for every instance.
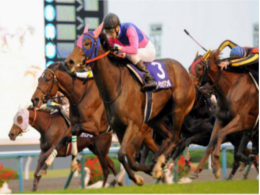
(237, 103)
(125, 102)
(87, 112)
(197, 129)
(52, 128)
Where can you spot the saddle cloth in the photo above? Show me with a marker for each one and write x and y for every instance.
(157, 70)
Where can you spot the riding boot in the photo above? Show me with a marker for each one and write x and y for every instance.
(150, 82)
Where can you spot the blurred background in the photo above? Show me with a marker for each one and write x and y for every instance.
(35, 33)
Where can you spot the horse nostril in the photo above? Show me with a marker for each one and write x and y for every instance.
(71, 62)
(11, 135)
(35, 101)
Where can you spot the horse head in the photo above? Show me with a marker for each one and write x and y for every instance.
(20, 123)
(86, 48)
(47, 86)
(199, 69)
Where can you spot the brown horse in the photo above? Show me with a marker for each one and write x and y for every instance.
(237, 103)
(125, 102)
(52, 128)
(86, 108)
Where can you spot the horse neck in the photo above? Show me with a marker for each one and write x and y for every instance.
(223, 86)
(73, 90)
(40, 122)
(107, 77)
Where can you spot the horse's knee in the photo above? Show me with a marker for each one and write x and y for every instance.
(238, 156)
(75, 130)
(133, 166)
(121, 156)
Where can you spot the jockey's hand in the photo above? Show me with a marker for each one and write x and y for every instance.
(223, 65)
(115, 49)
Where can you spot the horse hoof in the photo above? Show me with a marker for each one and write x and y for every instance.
(112, 184)
(241, 168)
(139, 180)
(120, 183)
(42, 172)
(216, 173)
(193, 175)
(74, 167)
(157, 174)
(34, 187)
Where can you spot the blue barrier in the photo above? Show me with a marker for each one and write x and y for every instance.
(21, 154)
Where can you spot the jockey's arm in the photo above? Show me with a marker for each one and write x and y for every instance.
(133, 40)
(249, 60)
(226, 43)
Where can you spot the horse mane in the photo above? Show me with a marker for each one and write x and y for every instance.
(44, 108)
(215, 55)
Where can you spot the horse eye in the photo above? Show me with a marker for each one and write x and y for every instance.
(87, 44)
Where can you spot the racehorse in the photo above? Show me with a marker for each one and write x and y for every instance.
(197, 129)
(125, 102)
(86, 108)
(237, 103)
(52, 128)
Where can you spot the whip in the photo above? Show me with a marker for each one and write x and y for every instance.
(194, 39)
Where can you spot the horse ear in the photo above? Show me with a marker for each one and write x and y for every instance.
(98, 30)
(85, 29)
(197, 54)
(206, 55)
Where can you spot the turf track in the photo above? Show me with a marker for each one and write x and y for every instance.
(226, 187)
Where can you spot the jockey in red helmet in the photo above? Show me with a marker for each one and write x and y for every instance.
(247, 56)
(131, 41)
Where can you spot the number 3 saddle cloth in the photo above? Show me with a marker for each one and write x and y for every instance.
(157, 70)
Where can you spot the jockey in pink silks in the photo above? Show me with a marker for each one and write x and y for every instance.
(133, 43)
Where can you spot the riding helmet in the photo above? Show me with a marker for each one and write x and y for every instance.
(238, 51)
(111, 21)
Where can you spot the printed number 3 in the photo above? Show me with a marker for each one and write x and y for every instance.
(162, 74)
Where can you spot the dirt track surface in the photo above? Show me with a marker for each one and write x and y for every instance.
(58, 183)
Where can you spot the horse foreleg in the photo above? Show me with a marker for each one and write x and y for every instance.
(177, 117)
(59, 150)
(37, 178)
(128, 138)
(208, 151)
(235, 164)
(233, 126)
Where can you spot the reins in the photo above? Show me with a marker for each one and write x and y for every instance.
(120, 85)
(69, 95)
(120, 80)
(205, 78)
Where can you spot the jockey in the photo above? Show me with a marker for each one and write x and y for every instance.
(246, 56)
(133, 43)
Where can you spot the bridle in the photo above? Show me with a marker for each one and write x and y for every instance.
(45, 96)
(205, 77)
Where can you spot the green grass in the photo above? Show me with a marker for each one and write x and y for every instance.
(230, 187)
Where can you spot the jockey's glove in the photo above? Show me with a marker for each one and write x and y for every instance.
(114, 49)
